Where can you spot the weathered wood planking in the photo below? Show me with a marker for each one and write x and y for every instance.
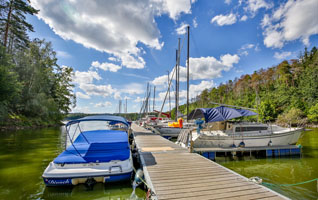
(174, 173)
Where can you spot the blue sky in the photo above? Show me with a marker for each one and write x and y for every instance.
(117, 47)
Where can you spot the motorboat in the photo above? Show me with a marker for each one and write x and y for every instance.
(97, 150)
(219, 132)
(173, 129)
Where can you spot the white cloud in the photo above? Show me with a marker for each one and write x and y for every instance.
(114, 27)
(63, 54)
(161, 80)
(293, 20)
(82, 96)
(222, 20)
(203, 68)
(175, 8)
(254, 5)
(97, 90)
(246, 47)
(182, 29)
(106, 66)
(282, 55)
(194, 90)
(133, 88)
(228, 2)
(85, 77)
(112, 59)
(103, 104)
(243, 18)
(194, 22)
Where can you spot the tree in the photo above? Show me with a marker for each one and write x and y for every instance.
(13, 22)
(267, 111)
(9, 87)
(313, 114)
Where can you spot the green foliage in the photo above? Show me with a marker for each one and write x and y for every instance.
(313, 113)
(294, 116)
(267, 111)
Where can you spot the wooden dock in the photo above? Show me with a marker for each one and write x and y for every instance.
(171, 172)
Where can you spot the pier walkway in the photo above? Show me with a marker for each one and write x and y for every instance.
(172, 172)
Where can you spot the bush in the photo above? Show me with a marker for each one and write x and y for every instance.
(292, 117)
(313, 113)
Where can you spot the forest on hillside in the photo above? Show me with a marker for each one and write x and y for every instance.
(34, 89)
(286, 93)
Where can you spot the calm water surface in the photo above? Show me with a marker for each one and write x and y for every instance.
(285, 170)
(23, 157)
(25, 154)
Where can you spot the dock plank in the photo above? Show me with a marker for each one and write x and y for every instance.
(172, 172)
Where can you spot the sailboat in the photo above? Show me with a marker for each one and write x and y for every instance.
(219, 132)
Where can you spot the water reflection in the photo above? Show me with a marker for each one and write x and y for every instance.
(285, 170)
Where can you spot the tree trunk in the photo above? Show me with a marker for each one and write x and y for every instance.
(7, 25)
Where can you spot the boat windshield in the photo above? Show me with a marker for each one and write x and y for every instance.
(75, 129)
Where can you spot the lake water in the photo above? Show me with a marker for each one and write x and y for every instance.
(285, 170)
(25, 154)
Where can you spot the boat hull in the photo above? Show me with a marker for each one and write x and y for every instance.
(169, 131)
(78, 180)
(277, 139)
(73, 174)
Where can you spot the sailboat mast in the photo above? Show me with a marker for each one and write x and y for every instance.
(169, 93)
(154, 98)
(176, 86)
(188, 69)
(178, 76)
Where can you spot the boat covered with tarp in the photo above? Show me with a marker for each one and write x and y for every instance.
(218, 131)
(97, 150)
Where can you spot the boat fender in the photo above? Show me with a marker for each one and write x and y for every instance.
(242, 144)
(139, 176)
(233, 145)
(270, 143)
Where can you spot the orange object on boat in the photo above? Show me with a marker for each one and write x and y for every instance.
(178, 124)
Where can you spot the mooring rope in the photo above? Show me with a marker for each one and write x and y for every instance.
(287, 185)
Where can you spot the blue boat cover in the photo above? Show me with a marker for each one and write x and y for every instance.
(220, 113)
(112, 118)
(96, 146)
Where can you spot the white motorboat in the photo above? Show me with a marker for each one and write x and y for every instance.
(97, 151)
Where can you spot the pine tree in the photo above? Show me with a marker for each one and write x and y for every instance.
(13, 23)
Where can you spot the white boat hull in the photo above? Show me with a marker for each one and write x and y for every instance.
(169, 131)
(277, 139)
(73, 174)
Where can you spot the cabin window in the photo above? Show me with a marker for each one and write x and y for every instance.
(250, 128)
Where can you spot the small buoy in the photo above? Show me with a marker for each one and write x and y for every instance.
(256, 180)
(242, 144)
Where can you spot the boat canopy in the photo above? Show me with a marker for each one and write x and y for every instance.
(113, 119)
(220, 113)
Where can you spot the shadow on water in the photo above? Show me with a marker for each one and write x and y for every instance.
(284, 170)
(25, 154)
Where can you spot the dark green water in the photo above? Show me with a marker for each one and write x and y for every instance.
(25, 154)
(23, 157)
(285, 170)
